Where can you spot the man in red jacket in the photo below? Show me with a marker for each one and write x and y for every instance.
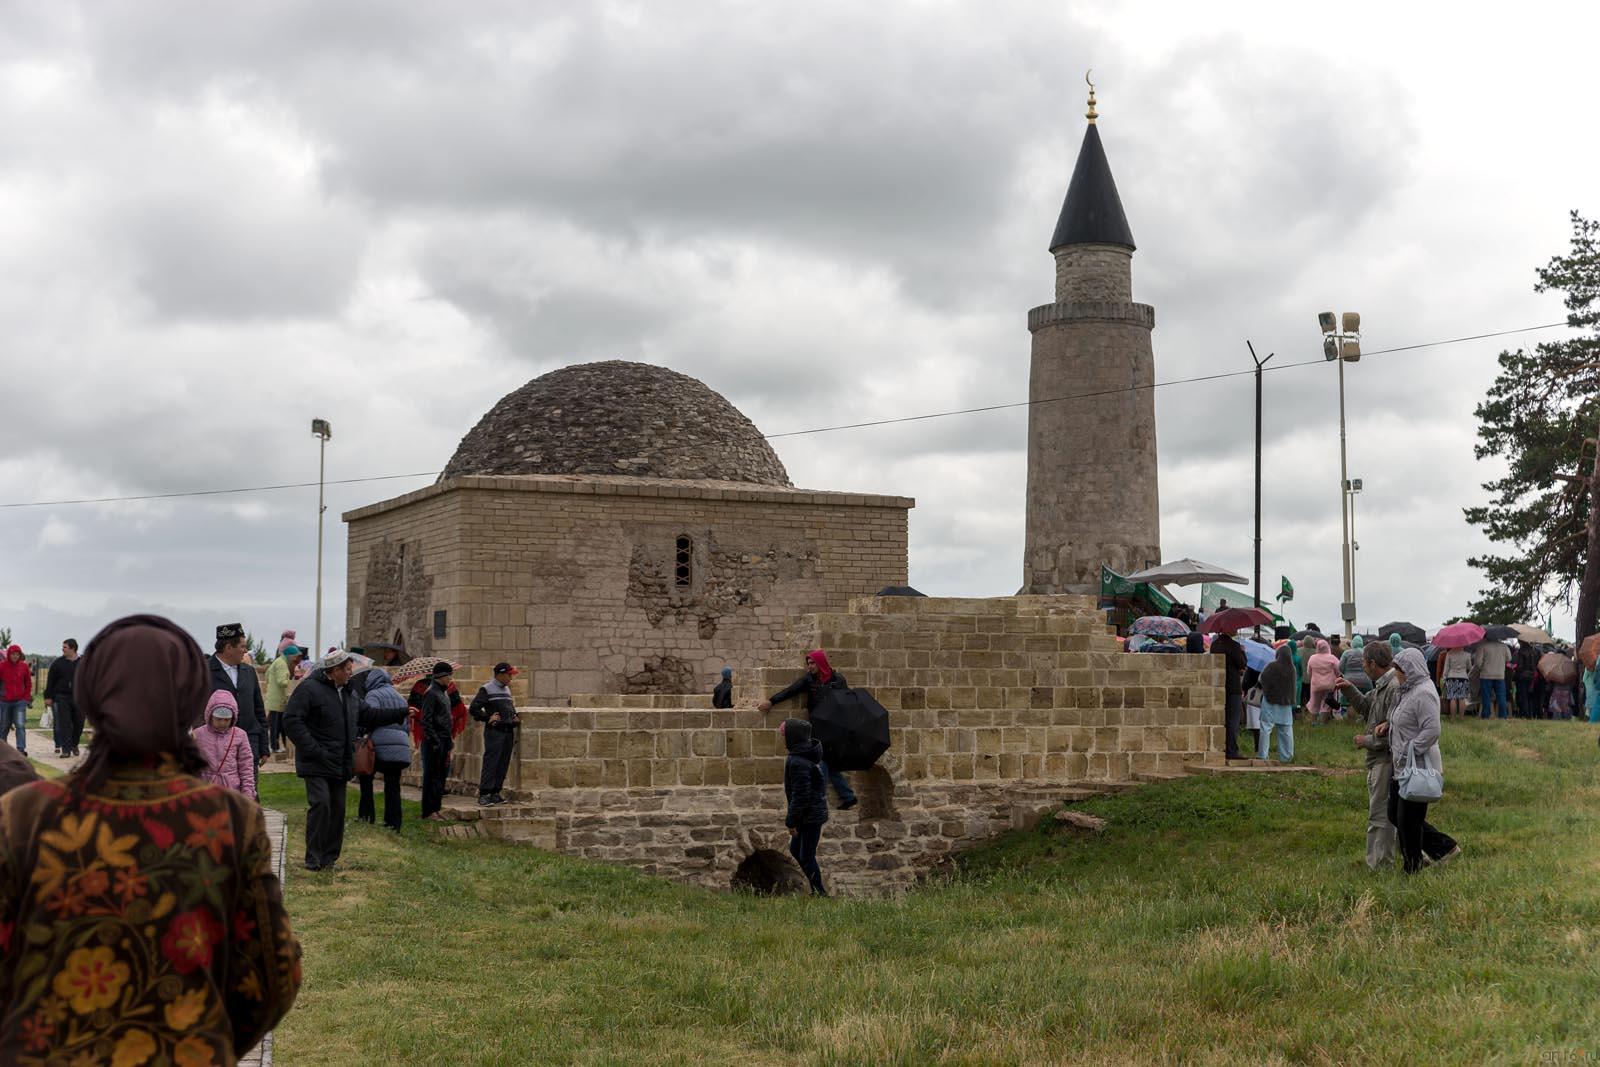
(16, 693)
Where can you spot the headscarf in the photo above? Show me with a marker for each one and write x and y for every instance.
(1358, 641)
(824, 671)
(15, 770)
(285, 639)
(1324, 649)
(727, 672)
(1414, 667)
(1395, 644)
(1278, 678)
(142, 686)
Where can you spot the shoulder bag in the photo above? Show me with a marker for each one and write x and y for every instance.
(1420, 784)
(366, 757)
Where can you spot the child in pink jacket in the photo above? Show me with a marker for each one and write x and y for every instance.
(225, 746)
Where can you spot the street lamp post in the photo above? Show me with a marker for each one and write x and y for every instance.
(1341, 343)
(322, 431)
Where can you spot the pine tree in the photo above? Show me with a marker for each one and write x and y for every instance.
(1542, 417)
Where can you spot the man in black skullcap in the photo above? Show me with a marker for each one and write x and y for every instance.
(230, 671)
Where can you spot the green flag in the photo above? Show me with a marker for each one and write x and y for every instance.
(1287, 592)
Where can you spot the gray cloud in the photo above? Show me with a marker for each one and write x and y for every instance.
(220, 222)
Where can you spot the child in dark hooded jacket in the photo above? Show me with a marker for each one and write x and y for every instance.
(807, 792)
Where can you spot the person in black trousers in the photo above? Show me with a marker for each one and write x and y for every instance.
(806, 790)
(436, 740)
(58, 697)
(383, 718)
(495, 708)
(320, 719)
(1233, 668)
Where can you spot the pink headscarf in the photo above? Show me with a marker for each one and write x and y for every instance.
(1324, 649)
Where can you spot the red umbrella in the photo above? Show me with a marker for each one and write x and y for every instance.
(1458, 635)
(1235, 619)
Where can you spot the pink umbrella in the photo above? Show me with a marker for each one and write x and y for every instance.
(1458, 635)
(1235, 619)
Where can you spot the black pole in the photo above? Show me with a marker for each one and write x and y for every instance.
(1259, 364)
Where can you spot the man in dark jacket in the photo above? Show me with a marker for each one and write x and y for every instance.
(230, 671)
(1233, 666)
(1524, 674)
(819, 676)
(58, 697)
(320, 719)
(436, 739)
(495, 708)
(806, 790)
(722, 695)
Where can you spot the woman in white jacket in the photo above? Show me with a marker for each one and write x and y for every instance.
(1413, 721)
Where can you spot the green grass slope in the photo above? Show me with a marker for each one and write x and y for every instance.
(1216, 920)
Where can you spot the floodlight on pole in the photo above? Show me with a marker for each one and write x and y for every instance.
(1341, 343)
(322, 431)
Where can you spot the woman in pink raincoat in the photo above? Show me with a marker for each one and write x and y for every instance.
(225, 746)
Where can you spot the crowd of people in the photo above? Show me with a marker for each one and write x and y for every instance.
(161, 809)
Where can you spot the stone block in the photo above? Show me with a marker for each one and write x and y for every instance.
(560, 744)
(709, 743)
(637, 743)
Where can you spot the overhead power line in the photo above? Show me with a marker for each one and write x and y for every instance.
(817, 429)
(218, 492)
(1155, 385)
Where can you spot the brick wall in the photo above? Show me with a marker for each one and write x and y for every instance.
(576, 579)
(999, 708)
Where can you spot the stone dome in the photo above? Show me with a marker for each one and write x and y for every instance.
(615, 418)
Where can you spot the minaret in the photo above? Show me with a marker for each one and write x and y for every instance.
(1091, 461)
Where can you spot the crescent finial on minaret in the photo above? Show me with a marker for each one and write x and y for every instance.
(1091, 115)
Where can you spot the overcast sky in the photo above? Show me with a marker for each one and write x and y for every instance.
(220, 220)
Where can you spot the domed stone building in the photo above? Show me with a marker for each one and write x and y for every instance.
(613, 527)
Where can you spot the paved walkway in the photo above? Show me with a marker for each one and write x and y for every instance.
(261, 1055)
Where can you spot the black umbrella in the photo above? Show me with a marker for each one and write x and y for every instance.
(852, 726)
(1409, 632)
(1301, 635)
(1498, 633)
(900, 590)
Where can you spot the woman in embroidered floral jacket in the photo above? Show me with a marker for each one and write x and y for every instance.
(140, 919)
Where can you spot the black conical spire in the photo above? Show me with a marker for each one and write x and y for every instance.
(1092, 213)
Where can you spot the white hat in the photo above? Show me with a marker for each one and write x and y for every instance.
(333, 659)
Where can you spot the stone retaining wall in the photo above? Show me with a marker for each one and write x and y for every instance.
(999, 709)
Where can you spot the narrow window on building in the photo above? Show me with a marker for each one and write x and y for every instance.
(683, 573)
(439, 624)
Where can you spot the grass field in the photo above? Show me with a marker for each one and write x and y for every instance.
(1216, 920)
